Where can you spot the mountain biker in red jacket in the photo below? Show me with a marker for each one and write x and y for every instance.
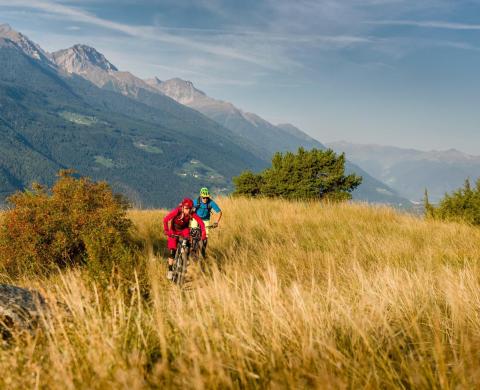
(177, 223)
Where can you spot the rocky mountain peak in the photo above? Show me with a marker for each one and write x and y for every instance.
(154, 82)
(5, 27)
(30, 48)
(183, 91)
(79, 58)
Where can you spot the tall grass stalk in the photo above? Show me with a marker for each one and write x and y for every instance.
(297, 295)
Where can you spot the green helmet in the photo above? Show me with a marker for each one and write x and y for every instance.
(204, 192)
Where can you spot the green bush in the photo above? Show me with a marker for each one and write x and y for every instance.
(461, 205)
(76, 222)
(314, 174)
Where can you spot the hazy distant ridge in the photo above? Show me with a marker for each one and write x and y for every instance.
(410, 171)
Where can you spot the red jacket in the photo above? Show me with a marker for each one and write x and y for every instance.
(178, 223)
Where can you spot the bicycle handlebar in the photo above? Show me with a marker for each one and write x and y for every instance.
(212, 226)
(178, 236)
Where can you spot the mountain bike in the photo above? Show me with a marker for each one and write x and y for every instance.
(198, 246)
(196, 243)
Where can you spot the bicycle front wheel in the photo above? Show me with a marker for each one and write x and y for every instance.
(182, 262)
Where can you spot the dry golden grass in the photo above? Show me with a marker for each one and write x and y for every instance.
(298, 295)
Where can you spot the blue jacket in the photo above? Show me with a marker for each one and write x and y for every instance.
(204, 209)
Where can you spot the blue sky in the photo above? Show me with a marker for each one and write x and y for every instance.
(396, 72)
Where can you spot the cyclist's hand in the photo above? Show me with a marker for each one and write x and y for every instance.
(215, 225)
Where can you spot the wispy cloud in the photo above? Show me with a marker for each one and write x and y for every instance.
(268, 36)
(264, 47)
(428, 24)
(144, 32)
(461, 45)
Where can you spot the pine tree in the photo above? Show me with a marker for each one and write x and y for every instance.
(247, 183)
(461, 205)
(314, 174)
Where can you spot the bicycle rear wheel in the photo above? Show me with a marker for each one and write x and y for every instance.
(195, 250)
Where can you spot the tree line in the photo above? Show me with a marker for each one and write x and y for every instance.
(312, 174)
(320, 174)
(460, 205)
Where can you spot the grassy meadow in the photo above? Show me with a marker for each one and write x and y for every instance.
(296, 295)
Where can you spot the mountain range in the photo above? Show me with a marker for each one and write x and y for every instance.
(51, 120)
(73, 108)
(411, 171)
(267, 137)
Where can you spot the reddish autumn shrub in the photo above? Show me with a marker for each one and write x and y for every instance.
(76, 222)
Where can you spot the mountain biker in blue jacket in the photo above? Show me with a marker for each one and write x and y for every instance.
(203, 206)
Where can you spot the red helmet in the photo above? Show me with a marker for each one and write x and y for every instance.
(187, 202)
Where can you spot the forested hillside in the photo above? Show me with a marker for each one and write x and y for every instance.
(49, 122)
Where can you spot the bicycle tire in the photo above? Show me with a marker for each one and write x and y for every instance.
(195, 251)
(201, 256)
(176, 264)
(181, 262)
(203, 248)
(184, 262)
